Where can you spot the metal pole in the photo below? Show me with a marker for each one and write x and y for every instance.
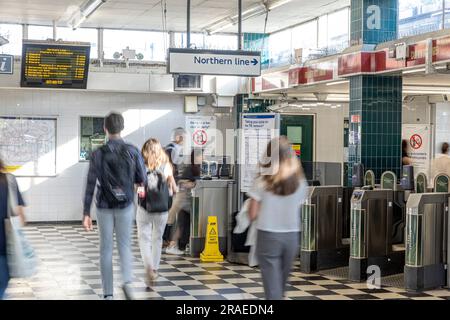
(239, 24)
(55, 30)
(443, 15)
(188, 27)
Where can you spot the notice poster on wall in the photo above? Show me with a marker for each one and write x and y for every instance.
(418, 137)
(257, 131)
(28, 145)
(202, 132)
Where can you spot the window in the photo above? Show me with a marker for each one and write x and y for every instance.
(152, 45)
(221, 42)
(280, 48)
(323, 32)
(13, 33)
(305, 35)
(338, 30)
(40, 32)
(419, 16)
(92, 136)
(197, 40)
(80, 35)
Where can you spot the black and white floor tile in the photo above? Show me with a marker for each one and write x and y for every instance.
(69, 269)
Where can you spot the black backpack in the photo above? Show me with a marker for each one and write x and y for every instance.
(117, 175)
(156, 193)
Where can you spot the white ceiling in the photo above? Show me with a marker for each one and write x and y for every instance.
(147, 15)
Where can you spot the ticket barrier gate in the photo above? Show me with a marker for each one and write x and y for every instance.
(324, 217)
(372, 234)
(426, 241)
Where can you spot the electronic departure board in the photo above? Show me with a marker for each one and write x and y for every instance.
(55, 64)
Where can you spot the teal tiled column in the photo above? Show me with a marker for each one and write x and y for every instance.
(375, 101)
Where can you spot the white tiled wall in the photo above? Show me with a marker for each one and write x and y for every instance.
(146, 115)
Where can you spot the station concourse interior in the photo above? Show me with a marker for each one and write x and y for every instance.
(348, 82)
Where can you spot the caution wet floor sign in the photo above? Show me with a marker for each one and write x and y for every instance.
(211, 253)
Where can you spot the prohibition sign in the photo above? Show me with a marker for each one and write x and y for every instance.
(200, 137)
(415, 141)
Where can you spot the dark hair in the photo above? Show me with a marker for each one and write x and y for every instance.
(114, 123)
(444, 148)
(404, 148)
(2, 165)
(196, 167)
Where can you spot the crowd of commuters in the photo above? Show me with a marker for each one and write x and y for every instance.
(153, 187)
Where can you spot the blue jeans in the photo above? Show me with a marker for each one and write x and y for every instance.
(4, 276)
(120, 221)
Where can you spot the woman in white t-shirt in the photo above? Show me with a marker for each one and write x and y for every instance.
(151, 225)
(276, 198)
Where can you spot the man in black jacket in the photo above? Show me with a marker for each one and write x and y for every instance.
(114, 170)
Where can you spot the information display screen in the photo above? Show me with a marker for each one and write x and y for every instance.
(55, 65)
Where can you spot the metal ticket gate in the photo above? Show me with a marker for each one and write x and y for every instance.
(323, 218)
(372, 233)
(427, 240)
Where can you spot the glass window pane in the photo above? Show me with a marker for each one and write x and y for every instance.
(197, 40)
(81, 35)
(221, 42)
(40, 32)
(151, 44)
(338, 30)
(323, 32)
(13, 33)
(305, 36)
(419, 16)
(280, 48)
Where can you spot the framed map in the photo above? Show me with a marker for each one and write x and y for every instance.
(28, 145)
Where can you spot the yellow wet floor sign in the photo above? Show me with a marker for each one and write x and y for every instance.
(211, 253)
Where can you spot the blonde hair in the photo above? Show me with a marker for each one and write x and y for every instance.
(153, 154)
(285, 180)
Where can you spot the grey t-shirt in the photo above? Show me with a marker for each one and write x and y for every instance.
(278, 213)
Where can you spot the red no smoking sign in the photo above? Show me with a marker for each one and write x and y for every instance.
(200, 137)
(415, 141)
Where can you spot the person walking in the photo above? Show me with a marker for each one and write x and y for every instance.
(276, 199)
(406, 159)
(7, 184)
(181, 208)
(442, 162)
(152, 212)
(174, 151)
(114, 169)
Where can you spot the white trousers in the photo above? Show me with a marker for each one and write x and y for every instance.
(150, 232)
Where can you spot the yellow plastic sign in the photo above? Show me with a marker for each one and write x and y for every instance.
(211, 253)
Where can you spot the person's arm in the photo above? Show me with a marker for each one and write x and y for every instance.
(20, 210)
(89, 193)
(253, 209)
(141, 172)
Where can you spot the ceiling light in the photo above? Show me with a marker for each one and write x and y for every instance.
(337, 83)
(278, 4)
(251, 12)
(84, 12)
(414, 71)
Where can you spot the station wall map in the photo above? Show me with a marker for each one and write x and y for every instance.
(54, 65)
(28, 145)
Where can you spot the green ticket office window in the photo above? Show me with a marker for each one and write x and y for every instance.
(92, 136)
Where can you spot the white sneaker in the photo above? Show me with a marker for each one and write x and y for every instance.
(128, 291)
(175, 251)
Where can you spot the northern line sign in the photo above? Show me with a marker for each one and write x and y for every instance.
(214, 62)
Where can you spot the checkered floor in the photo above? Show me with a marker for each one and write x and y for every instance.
(69, 269)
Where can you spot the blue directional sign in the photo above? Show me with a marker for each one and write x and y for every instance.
(215, 62)
(6, 64)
